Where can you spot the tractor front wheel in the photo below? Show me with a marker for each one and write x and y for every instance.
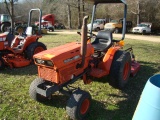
(33, 93)
(78, 104)
(2, 65)
(35, 48)
(120, 69)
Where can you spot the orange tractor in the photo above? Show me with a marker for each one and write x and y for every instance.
(18, 51)
(61, 66)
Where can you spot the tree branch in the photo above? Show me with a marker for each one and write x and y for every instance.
(5, 1)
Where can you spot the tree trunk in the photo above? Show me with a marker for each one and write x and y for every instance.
(10, 10)
(12, 15)
(83, 8)
(69, 15)
(138, 12)
(79, 15)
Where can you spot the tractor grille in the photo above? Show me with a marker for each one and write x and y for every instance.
(48, 74)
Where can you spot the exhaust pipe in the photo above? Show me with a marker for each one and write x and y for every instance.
(83, 42)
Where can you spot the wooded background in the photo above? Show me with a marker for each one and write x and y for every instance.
(71, 12)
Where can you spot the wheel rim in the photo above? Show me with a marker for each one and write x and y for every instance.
(38, 49)
(84, 106)
(6, 28)
(125, 71)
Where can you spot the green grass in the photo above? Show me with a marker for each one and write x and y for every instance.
(108, 103)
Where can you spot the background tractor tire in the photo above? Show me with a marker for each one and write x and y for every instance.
(120, 69)
(32, 91)
(116, 30)
(35, 48)
(143, 32)
(78, 105)
(5, 27)
(19, 29)
(97, 29)
(2, 65)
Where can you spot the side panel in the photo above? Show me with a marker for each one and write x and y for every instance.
(70, 71)
(1, 45)
(3, 41)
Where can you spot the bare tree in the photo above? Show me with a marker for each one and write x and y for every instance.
(79, 14)
(10, 8)
(137, 11)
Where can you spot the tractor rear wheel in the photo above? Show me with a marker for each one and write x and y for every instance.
(33, 93)
(35, 48)
(120, 69)
(78, 104)
(2, 65)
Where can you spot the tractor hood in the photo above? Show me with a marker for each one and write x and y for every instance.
(65, 54)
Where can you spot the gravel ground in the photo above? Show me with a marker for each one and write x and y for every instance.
(128, 36)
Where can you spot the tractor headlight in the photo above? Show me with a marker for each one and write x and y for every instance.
(49, 63)
(44, 62)
(39, 61)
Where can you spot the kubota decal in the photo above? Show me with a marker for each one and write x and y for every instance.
(70, 59)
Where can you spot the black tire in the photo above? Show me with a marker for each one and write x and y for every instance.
(51, 29)
(97, 29)
(5, 27)
(127, 30)
(143, 32)
(31, 49)
(19, 29)
(78, 105)
(120, 69)
(2, 65)
(32, 90)
(116, 30)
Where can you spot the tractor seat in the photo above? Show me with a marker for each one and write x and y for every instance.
(103, 41)
(20, 40)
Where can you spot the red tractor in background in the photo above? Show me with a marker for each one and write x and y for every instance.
(18, 51)
(47, 22)
(61, 66)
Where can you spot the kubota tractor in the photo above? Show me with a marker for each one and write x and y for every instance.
(18, 51)
(61, 66)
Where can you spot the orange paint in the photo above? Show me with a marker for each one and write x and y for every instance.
(65, 59)
(108, 58)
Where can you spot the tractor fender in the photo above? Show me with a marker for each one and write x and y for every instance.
(108, 58)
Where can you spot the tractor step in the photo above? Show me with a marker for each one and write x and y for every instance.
(135, 66)
(98, 73)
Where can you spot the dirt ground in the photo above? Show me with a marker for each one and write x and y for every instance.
(127, 36)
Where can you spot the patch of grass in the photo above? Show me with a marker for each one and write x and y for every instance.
(107, 102)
